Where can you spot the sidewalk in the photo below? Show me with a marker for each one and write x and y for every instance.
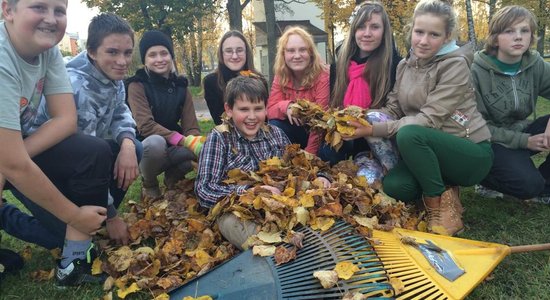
(201, 110)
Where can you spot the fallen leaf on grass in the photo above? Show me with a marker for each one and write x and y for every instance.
(327, 278)
(122, 293)
(42, 275)
(96, 266)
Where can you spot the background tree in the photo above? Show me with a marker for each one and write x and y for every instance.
(271, 25)
(471, 28)
(179, 19)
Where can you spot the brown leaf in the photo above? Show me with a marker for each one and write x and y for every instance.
(283, 255)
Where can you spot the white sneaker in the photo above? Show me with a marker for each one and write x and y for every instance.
(486, 192)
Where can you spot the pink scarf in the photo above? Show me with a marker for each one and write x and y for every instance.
(358, 92)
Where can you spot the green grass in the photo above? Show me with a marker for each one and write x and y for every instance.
(512, 222)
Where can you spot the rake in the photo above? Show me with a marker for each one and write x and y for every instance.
(384, 259)
(253, 277)
(422, 280)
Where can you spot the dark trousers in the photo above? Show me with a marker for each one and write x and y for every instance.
(118, 193)
(514, 173)
(296, 134)
(80, 167)
(348, 149)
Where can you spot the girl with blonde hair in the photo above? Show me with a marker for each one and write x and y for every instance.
(300, 73)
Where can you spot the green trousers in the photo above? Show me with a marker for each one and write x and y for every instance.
(431, 159)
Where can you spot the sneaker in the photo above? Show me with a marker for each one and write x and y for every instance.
(487, 193)
(543, 199)
(79, 272)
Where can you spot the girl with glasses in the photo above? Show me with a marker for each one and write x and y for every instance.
(234, 55)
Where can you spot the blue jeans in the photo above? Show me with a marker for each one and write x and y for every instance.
(296, 134)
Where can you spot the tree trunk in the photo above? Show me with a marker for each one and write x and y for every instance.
(235, 12)
(471, 30)
(197, 66)
(492, 9)
(271, 27)
(542, 28)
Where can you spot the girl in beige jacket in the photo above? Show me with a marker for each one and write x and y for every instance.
(442, 138)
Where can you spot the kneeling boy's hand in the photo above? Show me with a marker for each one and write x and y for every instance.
(88, 219)
(118, 230)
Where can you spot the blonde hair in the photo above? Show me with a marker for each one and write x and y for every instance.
(316, 64)
(379, 66)
(504, 18)
(438, 8)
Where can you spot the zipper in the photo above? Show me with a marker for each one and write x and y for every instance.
(516, 100)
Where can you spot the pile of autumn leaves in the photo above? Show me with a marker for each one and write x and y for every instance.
(174, 240)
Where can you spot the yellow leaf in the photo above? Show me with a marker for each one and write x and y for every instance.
(422, 226)
(108, 284)
(162, 296)
(322, 224)
(263, 250)
(345, 269)
(327, 278)
(108, 296)
(307, 200)
(365, 221)
(289, 192)
(201, 257)
(270, 238)
(274, 161)
(121, 258)
(302, 215)
(122, 293)
(198, 298)
(96, 266)
(354, 296)
(397, 284)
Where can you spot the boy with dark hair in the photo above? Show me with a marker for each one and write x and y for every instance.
(71, 205)
(97, 77)
(240, 142)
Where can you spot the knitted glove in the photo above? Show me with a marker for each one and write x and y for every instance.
(193, 143)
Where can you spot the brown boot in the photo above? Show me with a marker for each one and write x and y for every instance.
(443, 216)
(458, 205)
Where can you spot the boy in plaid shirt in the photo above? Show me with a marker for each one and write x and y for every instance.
(240, 142)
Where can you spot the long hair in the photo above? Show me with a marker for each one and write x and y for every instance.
(316, 63)
(248, 64)
(378, 67)
(506, 17)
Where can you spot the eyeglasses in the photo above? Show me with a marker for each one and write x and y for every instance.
(293, 51)
(231, 51)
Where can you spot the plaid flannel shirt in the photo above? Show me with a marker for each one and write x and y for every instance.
(226, 149)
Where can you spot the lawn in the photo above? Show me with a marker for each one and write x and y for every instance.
(508, 221)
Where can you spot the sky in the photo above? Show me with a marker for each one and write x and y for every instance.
(78, 18)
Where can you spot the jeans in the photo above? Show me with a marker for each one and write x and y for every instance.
(514, 173)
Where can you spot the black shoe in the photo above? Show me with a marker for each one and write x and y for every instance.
(79, 272)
